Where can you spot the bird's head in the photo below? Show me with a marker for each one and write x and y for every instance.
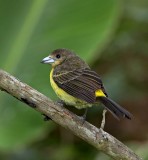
(57, 57)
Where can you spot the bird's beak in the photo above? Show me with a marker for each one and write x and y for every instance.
(48, 59)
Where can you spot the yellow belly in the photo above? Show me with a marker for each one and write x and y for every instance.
(67, 98)
(70, 100)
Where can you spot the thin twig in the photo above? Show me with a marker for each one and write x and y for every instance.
(89, 133)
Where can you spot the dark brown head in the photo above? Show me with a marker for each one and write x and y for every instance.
(58, 56)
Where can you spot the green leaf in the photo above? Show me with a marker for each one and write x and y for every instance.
(30, 30)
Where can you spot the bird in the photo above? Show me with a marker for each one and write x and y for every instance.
(76, 84)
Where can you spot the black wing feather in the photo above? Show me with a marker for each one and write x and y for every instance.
(80, 83)
(76, 91)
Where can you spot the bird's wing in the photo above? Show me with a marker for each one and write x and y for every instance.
(80, 83)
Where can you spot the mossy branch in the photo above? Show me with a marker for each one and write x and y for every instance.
(96, 137)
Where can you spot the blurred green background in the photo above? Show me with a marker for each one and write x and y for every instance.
(111, 35)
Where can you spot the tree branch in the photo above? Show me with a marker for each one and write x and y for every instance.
(89, 133)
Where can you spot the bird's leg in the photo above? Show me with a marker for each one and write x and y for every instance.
(103, 119)
(85, 113)
(83, 117)
(60, 102)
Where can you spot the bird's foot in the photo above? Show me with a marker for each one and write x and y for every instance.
(83, 117)
(60, 102)
(104, 134)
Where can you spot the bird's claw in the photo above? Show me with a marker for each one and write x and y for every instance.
(104, 135)
(82, 119)
(60, 102)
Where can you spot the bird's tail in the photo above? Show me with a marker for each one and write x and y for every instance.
(115, 108)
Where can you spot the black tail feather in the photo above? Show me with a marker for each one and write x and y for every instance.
(115, 108)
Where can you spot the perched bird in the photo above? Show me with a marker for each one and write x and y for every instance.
(77, 85)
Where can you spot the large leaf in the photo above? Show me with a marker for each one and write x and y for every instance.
(29, 31)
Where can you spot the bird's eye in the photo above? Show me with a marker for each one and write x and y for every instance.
(58, 56)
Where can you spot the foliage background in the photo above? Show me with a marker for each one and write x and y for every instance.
(111, 35)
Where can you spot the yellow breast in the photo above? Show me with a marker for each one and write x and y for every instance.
(68, 99)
